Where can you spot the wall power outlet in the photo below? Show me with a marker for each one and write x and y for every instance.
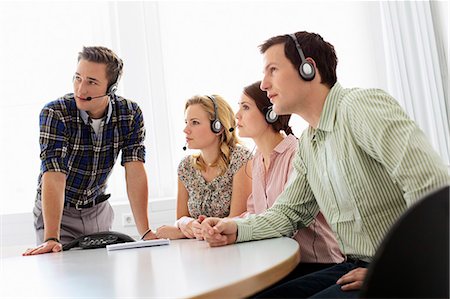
(128, 220)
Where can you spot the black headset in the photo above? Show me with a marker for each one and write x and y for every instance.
(270, 115)
(113, 87)
(306, 69)
(216, 125)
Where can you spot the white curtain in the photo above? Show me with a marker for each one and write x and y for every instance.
(416, 67)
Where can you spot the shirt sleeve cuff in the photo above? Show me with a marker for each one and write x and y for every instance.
(183, 221)
(53, 164)
(244, 231)
(133, 154)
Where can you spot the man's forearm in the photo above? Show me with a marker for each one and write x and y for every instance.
(139, 209)
(137, 189)
(53, 186)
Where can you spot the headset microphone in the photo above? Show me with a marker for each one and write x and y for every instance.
(185, 147)
(232, 129)
(90, 98)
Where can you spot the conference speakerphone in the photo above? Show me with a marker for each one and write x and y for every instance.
(138, 244)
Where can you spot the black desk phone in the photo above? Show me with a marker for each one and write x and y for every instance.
(98, 240)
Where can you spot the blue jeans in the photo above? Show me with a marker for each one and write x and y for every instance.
(320, 284)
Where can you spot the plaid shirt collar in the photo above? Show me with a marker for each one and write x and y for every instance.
(85, 116)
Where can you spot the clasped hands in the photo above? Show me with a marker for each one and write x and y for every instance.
(215, 231)
(193, 228)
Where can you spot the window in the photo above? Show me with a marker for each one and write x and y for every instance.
(39, 46)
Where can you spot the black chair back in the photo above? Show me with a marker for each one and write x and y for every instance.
(413, 259)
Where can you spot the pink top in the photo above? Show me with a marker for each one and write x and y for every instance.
(317, 242)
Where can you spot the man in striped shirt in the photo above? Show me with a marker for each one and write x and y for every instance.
(362, 162)
(81, 135)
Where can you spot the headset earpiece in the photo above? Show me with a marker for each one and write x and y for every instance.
(270, 115)
(216, 125)
(112, 89)
(306, 69)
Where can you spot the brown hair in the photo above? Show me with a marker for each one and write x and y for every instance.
(313, 46)
(114, 64)
(228, 140)
(263, 103)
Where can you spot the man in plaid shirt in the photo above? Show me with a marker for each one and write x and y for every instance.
(81, 135)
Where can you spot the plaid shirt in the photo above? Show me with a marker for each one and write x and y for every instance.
(69, 144)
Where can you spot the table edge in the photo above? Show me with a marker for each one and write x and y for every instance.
(254, 284)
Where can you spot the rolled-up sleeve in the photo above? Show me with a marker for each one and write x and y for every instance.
(134, 148)
(53, 141)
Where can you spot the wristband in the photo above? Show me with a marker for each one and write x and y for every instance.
(52, 239)
(146, 232)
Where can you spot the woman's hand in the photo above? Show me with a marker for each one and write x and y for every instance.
(197, 227)
(186, 229)
(169, 232)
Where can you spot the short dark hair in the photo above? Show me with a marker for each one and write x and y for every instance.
(313, 45)
(263, 103)
(114, 64)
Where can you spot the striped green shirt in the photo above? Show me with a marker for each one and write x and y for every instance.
(366, 162)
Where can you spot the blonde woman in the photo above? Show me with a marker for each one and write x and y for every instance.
(212, 182)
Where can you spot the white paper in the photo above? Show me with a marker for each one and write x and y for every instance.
(138, 244)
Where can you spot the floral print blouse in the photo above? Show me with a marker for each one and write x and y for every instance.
(212, 199)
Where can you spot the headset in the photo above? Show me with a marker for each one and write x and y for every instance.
(113, 87)
(270, 115)
(216, 125)
(306, 69)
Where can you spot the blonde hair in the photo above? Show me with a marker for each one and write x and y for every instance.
(228, 140)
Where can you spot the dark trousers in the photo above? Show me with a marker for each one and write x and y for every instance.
(302, 269)
(320, 284)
